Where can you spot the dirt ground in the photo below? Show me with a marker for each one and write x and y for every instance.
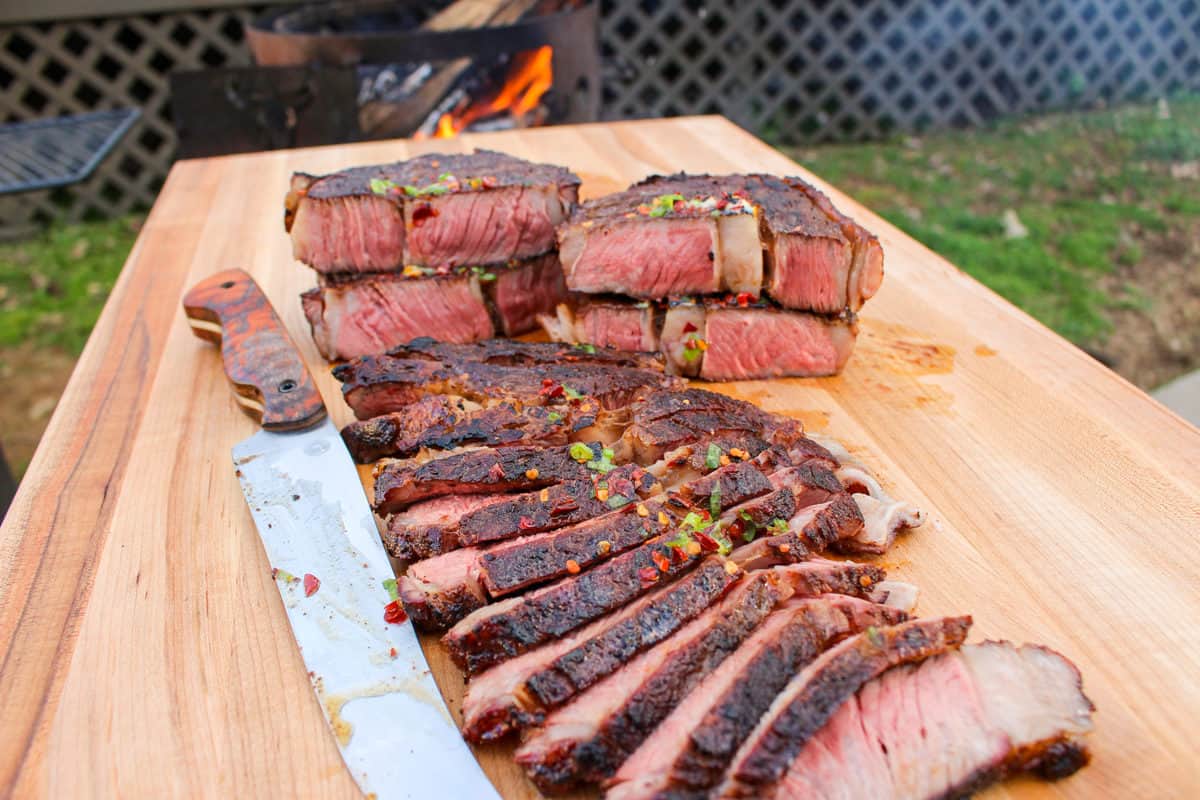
(33, 378)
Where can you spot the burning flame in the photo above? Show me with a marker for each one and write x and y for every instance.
(529, 77)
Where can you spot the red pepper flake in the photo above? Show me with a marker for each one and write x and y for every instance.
(690, 328)
(743, 299)
(392, 652)
(311, 584)
(648, 574)
(525, 524)
(707, 543)
(660, 561)
(422, 212)
(394, 613)
(489, 181)
(551, 389)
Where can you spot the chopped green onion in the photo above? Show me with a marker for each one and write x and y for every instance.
(381, 185)
(572, 394)
(618, 500)
(393, 591)
(778, 526)
(580, 452)
(714, 501)
(554, 416)
(712, 458)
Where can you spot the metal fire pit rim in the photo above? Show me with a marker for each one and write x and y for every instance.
(558, 27)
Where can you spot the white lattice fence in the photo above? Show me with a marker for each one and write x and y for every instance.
(804, 70)
(81, 65)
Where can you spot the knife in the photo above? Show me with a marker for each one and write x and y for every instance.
(393, 729)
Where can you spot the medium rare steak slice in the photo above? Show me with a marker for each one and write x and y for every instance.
(375, 385)
(399, 484)
(510, 352)
(688, 752)
(520, 691)
(469, 208)
(700, 234)
(721, 339)
(557, 506)
(438, 422)
(358, 316)
(814, 694)
(587, 739)
(364, 314)
(948, 727)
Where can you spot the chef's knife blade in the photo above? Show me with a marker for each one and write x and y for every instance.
(394, 731)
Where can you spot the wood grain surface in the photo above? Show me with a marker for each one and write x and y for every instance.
(145, 649)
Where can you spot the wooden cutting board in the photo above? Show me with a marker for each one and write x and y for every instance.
(146, 651)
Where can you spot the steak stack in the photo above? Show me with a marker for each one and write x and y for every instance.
(731, 277)
(461, 246)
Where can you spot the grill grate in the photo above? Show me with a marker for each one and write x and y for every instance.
(60, 151)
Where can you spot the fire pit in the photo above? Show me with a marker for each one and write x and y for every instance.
(468, 66)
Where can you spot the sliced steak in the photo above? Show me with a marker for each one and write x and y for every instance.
(510, 352)
(522, 292)
(816, 692)
(438, 422)
(587, 739)
(375, 385)
(688, 752)
(663, 421)
(456, 209)
(563, 504)
(438, 592)
(721, 339)
(948, 727)
(399, 484)
(700, 234)
(510, 627)
(518, 692)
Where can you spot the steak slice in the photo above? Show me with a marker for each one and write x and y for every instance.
(399, 484)
(948, 727)
(510, 352)
(558, 506)
(688, 752)
(587, 739)
(464, 208)
(719, 339)
(520, 691)
(663, 421)
(700, 234)
(814, 694)
(375, 385)
(438, 422)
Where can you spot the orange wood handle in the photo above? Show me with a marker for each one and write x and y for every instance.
(271, 381)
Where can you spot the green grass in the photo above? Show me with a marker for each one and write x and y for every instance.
(1089, 188)
(53, 286)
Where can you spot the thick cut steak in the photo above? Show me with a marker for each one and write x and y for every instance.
(948, 727)
(816, 692)
(510, 352)
(458, 209)
(688, 752)
(701, 234)
(363, 314)
(716, 339)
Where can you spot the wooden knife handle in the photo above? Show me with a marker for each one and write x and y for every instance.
(271, 381)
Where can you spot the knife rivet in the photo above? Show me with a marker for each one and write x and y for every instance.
(287, 386)
(227, 285)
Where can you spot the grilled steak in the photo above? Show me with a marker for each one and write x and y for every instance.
(509, 352)
(718, 339)
(457, 209)
(587, 739)
(443, 423)
(363, 314)
(948, 727)
(399, 484)
(518, 692)
(375, 385)
(702, 234)
(554, 507)
(513, 566)
(688, 752)
(816, 692)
